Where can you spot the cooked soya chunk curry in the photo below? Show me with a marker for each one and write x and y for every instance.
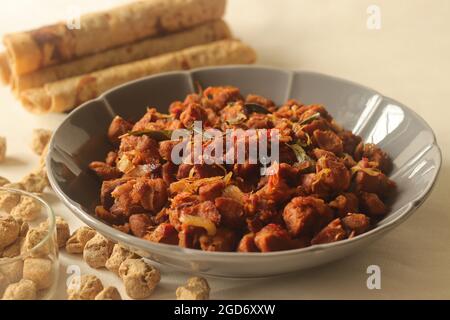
(326, 185)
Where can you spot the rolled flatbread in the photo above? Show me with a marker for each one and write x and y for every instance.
(66, 94)
(5, 71)
(53, 44)
(209, 32)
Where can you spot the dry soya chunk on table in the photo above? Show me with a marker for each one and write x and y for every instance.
(78, 240)
(9, 230)
(86, 287)
(196, 288)
(108, 293)
(140, 279)
(97, 251)
(119, 255)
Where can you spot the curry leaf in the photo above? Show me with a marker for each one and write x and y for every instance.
(300, 153)
(158, 135)
(255, 108)
(313, 117)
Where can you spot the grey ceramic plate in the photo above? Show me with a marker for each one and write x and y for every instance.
(81, 138)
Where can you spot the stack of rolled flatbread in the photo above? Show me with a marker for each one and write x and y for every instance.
(55, 68)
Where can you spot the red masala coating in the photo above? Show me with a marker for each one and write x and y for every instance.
(336, 189)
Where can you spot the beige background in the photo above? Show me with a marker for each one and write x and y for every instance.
(407, 59)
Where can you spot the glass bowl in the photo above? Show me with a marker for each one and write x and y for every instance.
(29, 263)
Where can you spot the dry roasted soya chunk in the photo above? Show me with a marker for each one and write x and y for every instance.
(119, 255)
(196, 288)
(40, 139)
(8, 200)
(28, 209)
(139, 278)
(78, 240)
(24, 227)
(97, 251)
(109, 293)
(86, 287)
(22, 290)
(12, 270)
(32, 239)
(39, 271)
(13, 250)
(9, 230)
(62, 230)
(2, 149)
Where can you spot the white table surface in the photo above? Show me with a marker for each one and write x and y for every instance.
(407, 59)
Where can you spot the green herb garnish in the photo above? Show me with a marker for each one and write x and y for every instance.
(300, 153)
(158, 135)
(315, 116)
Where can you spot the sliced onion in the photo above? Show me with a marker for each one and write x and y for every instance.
(125, 165)
(196, 221)
(370, 171)
(192, 184)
